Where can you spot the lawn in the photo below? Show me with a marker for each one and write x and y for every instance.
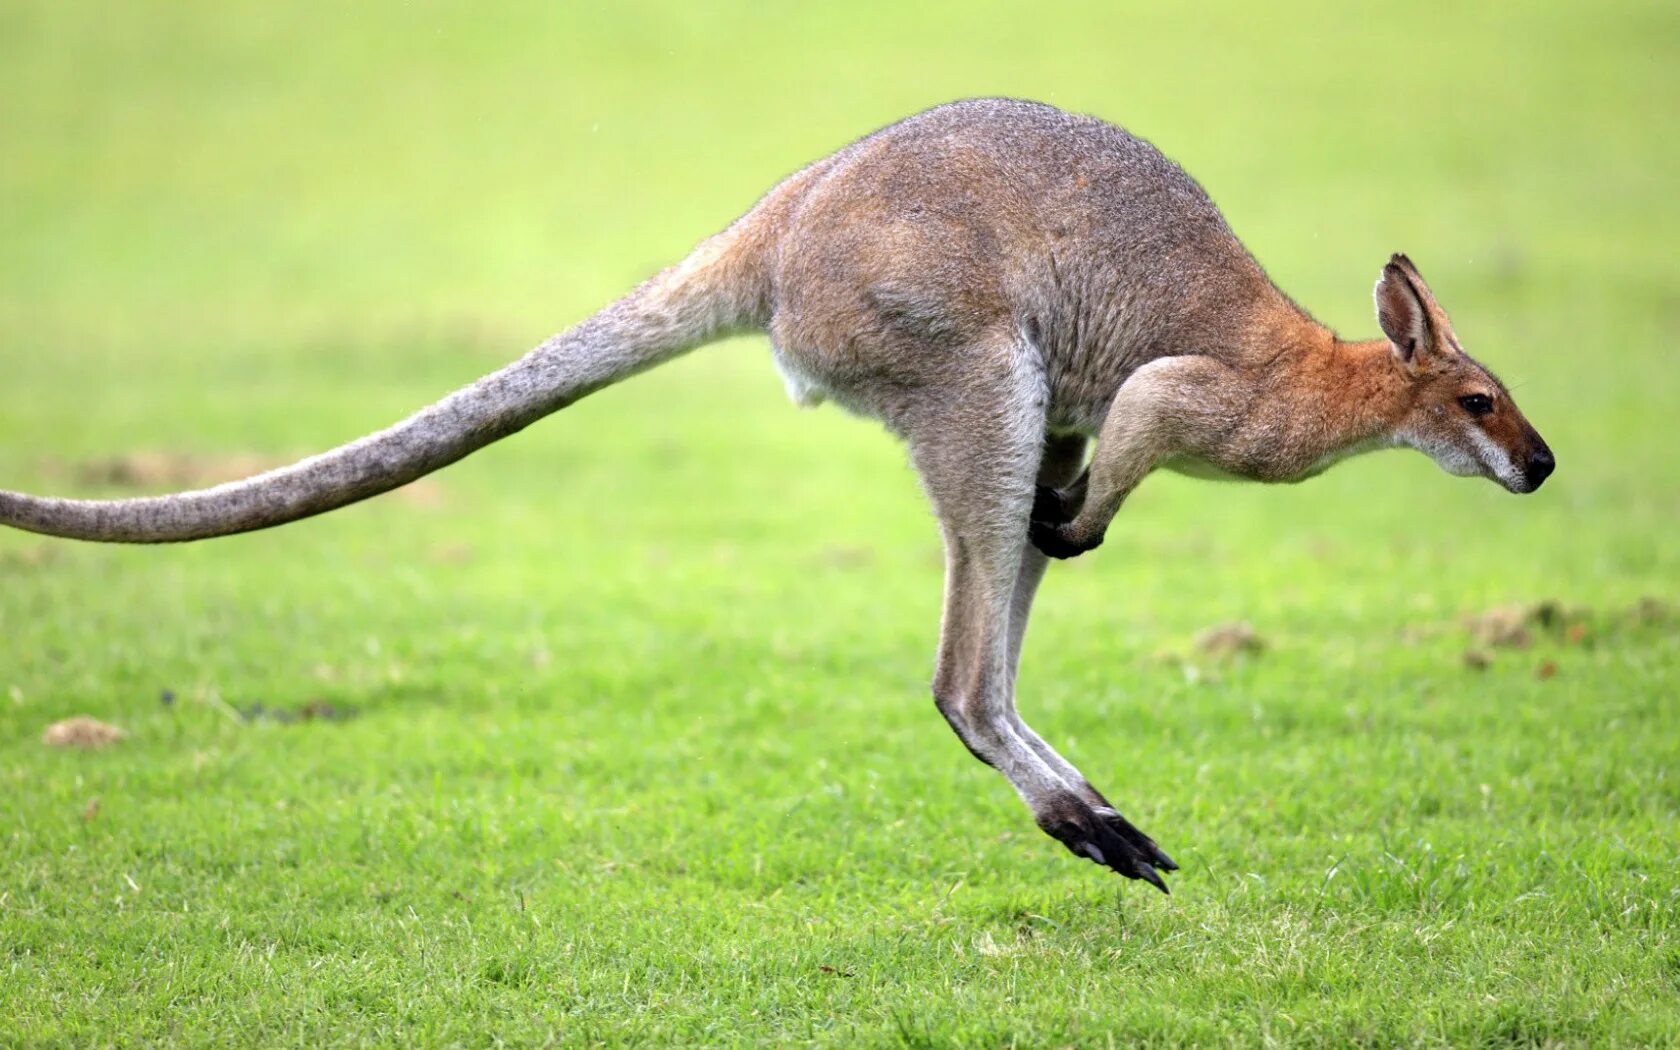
(619, 732)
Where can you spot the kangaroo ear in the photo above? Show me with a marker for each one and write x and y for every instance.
(1403, 310)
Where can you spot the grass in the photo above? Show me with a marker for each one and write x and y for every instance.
(631, 740)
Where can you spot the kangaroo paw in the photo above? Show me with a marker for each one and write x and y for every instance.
(1057, 540)
(1088, 834)
(1050, 505)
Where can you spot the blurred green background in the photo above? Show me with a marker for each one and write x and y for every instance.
(642, 747)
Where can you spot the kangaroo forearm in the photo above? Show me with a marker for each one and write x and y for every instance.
(1085, 512)
(1161, 410)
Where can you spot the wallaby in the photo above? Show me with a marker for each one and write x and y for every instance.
(998, 282)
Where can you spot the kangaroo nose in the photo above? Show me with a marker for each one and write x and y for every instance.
(1540, 467)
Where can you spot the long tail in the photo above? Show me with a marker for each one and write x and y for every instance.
(711, 293)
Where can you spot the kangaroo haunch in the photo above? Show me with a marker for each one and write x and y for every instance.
(998, 282)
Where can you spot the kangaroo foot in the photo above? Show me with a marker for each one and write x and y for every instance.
(1104, 837)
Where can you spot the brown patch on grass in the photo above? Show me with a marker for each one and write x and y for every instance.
(82, 732)
(1521, 626)
(166, 470)
(451, 553)
(1503, 628)
(31, 557)
(1514, 626)
(1650, 610)
(175, 471)
(425, 494)
(316, 710)
(1229, 640)
(320, 709)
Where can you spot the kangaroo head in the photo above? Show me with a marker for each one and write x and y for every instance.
(1459, 413)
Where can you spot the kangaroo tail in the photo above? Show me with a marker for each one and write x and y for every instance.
(713, 292)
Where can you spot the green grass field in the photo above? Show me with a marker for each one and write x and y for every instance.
(630, 738)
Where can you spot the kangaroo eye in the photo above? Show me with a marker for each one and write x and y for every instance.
(1476, 404)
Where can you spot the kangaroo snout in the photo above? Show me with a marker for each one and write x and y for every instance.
(1539, 467)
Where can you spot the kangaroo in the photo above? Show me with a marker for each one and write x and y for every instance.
(998, 282)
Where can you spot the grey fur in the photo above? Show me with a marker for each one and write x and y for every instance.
(998, 282)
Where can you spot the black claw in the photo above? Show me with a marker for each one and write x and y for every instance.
(1148, 874)
(1146, 846)
(1139, 841)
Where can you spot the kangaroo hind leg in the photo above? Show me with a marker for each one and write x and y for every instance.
(978, 456)
(1059, 472)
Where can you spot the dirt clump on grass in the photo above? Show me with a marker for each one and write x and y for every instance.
(316, 710)
(1526, 624)
(173, 470)
(32, 557)
(1649, 610)
(158, 471)
(451, 553)
(1230, 640)
(1515, 626)
(82, 732)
